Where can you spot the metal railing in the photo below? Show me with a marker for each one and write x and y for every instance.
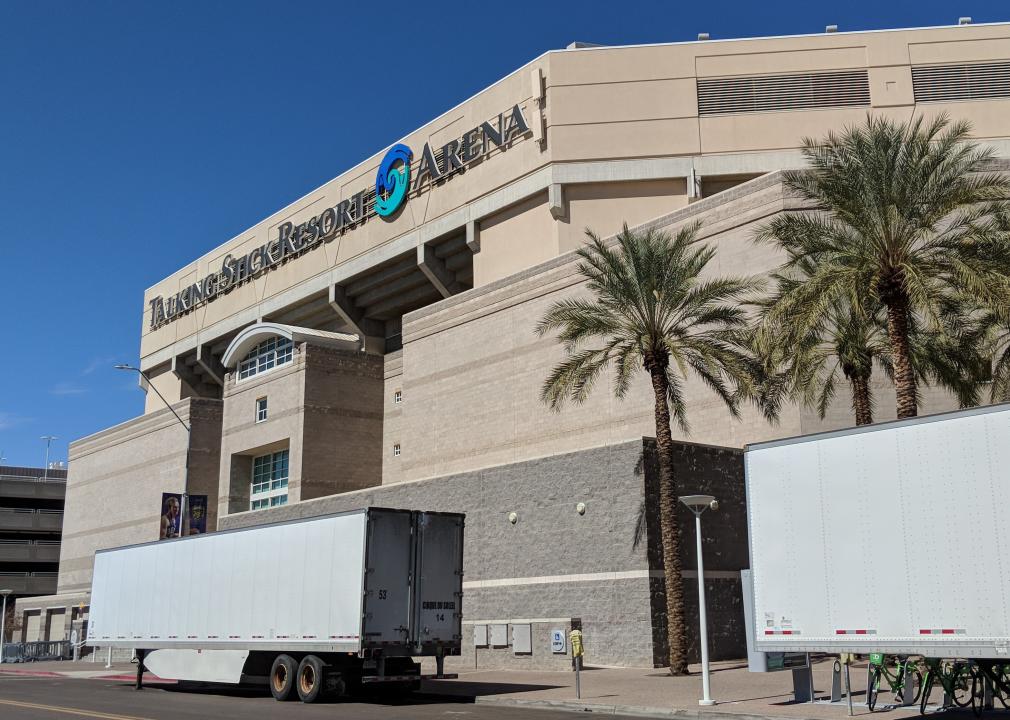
(36, 583)
(37, 651)
(28, 519)
(32, 478)
(30, 550)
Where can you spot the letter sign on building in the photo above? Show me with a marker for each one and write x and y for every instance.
(392, 184)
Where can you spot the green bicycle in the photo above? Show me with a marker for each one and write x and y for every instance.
(904, 678)
(957, 678)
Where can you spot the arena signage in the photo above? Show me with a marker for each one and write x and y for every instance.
(393, 184)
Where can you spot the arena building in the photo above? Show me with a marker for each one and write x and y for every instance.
(373, 342)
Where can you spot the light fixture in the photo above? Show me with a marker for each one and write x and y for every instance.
(513, 518)
(698, 504)
(581, 508)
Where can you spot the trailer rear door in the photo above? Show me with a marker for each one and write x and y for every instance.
(387, 586)
(439, 579)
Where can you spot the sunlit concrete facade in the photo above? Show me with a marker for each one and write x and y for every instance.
(409, 346)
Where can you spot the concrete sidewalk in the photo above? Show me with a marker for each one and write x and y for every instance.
(653, 692)
(611, 691)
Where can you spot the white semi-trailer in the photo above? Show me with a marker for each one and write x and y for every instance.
(888, 538)
(313, 607)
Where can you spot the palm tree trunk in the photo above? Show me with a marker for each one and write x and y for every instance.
(861, 400)
(670, 530)
(904, 377)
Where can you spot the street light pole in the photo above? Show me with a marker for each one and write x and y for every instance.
(3, 622)
(49, 441)
(697, 504)
(189, 438)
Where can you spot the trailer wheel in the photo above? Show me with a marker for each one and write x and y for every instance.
(283, 674)
(311, 679)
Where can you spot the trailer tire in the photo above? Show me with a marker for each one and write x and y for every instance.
(283, 677)
(311, 681)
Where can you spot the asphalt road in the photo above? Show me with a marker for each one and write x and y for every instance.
(45, 698)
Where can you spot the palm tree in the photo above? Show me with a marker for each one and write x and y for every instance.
(806, 365)
(801, 362)
(648, 309)
(906, 215)
(991, 334)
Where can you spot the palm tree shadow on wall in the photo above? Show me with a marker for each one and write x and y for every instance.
(647, 530)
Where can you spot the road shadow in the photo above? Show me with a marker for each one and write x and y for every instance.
(478, 689)
(432, 692)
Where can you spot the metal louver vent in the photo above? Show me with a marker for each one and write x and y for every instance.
(766, 93)
(949, 83)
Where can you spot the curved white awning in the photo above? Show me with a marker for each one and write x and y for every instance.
(253, 335)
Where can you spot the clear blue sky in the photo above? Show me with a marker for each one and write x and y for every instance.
(135, 136)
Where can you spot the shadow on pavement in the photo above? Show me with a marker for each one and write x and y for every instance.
(442, 693)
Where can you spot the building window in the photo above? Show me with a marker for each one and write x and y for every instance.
(396, 450)
(397, 397)
(267, 355)
(269, 481)
(261, 409)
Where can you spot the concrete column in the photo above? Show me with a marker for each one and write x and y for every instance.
(693, 186)
(556, 201)
(368, 330)
(435, 270)
(473, 236)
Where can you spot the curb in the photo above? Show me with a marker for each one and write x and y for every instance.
(627, 710)
(30, 673)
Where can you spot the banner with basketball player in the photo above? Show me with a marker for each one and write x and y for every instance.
(171, 515)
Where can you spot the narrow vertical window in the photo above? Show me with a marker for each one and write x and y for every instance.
(269, 481)
(396, 450)
(261, 409)
(397, 397)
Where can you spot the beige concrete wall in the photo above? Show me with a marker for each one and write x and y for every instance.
(475, 364)
(605, 207)
(392, 421)
(473, 367)
(117, 476)
(344, 401)
(168, 384)
(514, 239)
(324, 407)
(243, 438)
(629, 110)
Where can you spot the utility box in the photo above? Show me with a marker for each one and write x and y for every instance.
(480, 635)
(522, 639)
(499, 636)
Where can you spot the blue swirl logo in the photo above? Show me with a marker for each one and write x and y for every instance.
(393, 180)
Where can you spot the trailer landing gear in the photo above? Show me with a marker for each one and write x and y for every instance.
(140, 670)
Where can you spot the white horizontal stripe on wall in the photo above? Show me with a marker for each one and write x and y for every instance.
(593, 577)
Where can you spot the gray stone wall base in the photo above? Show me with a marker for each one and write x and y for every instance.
(554, 565)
